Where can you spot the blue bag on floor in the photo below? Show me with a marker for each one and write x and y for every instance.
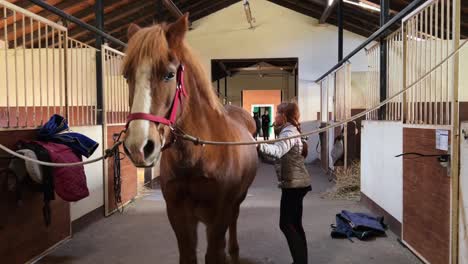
(360, 225)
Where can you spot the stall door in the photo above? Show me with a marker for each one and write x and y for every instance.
(426, 198)
(463, 234)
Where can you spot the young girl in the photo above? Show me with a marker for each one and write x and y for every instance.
(293, 178)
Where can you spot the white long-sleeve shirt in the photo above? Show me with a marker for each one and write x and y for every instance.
(279, 149)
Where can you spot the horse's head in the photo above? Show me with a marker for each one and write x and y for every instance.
(152, 68)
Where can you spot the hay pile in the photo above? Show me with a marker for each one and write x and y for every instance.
(348, 183)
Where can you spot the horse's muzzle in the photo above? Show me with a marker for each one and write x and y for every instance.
(145, 158)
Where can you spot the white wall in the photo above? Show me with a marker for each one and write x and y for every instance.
(381, 172)
(94, 176)
(280, 32)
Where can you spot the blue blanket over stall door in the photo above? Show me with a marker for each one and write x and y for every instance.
(51, 131)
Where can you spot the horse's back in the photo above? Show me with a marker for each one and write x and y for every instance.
(242, 117)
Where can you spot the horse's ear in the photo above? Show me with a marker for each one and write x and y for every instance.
(132, 29)
(176, 31)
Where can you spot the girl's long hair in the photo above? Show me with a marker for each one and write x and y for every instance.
(292, 115)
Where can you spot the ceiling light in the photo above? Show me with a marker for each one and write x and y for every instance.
(330, 2)
(248, 13)
(361, 4)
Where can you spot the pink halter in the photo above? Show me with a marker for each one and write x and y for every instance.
(180, 93)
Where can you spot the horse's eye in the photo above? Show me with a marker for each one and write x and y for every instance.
(169, 76)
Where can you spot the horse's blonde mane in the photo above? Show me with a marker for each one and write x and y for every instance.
(150, 45)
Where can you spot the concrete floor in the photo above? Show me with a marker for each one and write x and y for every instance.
(142, 234)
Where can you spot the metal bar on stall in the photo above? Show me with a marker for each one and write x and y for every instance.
(88, 85)
(54, 87)
(60, 35)
(47, 69)
(5, 35)
(404, 72)
(391, 60)
(436, 61)
(33, 82)
(420, 62)
(15, 51)
(442, 54)
(388, 112)
(431, 44)
(426, 67)
(83, 85)
(112, 90)
(65, 72)
(122, 92)
(95, 110)
(410, 71)
(23, 25)
(40, 76)
(414, 68)
(74, 105)
(118, 88)
(448, 50)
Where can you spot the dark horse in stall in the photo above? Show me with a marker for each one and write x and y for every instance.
(169, 89)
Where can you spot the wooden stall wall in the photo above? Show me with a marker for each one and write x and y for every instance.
(23, 233)
(426, 197)
(128, 173)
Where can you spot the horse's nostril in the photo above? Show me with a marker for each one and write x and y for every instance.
(148, 149)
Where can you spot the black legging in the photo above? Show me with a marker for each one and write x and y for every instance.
(266, 133)
(291, 222)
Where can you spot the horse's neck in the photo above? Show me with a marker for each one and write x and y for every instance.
(199, 116)
(201, 112)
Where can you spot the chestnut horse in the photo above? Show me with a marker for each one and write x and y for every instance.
(200, 183)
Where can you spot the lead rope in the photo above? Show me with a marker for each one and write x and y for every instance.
(117, 176)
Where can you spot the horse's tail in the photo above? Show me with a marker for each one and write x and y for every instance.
(242, 116)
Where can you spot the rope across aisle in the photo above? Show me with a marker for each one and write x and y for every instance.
(184, 136)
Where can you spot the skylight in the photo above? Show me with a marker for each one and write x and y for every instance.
(361, 4)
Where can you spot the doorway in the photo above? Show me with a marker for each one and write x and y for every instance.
(261, 110)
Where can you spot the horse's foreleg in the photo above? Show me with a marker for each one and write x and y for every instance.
(233, 243)
(216, 236)
(184, 224)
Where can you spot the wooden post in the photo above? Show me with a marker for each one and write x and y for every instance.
(455, 136)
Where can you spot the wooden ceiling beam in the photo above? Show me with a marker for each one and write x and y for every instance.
(173, 9)
(211, 8)
(34, 9)
(119, 31)
(116, 15)
(315, 13)
(66, 6)
(85, 15)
